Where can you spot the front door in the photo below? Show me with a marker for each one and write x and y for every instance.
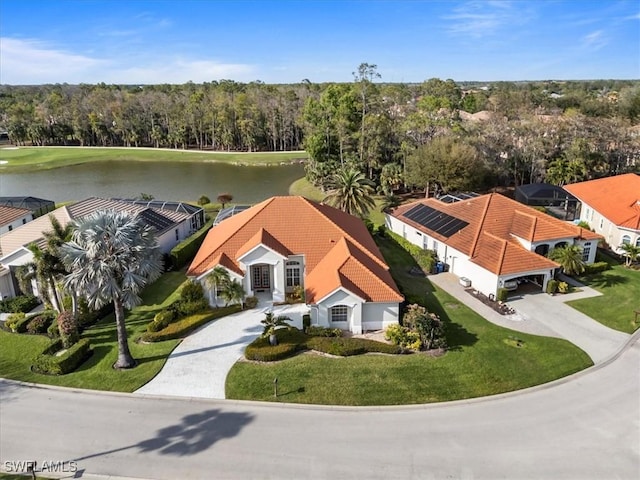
(260, 277)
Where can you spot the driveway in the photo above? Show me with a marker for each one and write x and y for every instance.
(542, 314)
(199, 365)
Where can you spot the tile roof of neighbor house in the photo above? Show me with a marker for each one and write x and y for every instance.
(616, 198)
(10, 214)
(338, 249)
(161, 220)
(31, 231)
(493, 222)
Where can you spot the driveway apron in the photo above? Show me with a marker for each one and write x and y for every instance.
(199, 365)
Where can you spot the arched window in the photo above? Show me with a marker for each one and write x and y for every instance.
(626, 240)
(339, 313)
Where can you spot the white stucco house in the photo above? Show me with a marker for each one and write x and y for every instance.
(173, 222)
(490, 239)
(611, 207)
(285, 242)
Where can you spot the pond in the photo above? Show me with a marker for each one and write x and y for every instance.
(163, 180)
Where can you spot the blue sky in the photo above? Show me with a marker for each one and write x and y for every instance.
(286, 41)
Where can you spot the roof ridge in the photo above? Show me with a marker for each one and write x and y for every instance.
(478, 233)
(344, 232)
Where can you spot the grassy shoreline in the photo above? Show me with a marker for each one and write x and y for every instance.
(23, 159)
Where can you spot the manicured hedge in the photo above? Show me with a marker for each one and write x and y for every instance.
(425, 258)
(40, 323)
(292, 340)
(21, 303)
(184, 252)
(323, 332)
(48, 363)
(183, 327)
(597, 267)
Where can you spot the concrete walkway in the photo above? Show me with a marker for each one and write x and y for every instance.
(199, 366)
(542, 314)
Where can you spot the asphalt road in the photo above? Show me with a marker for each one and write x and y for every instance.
(585, 427)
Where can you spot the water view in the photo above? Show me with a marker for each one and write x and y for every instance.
(178, 181)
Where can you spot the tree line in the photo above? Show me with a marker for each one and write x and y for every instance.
(438, 135)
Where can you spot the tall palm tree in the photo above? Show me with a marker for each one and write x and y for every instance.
(233, 292)
(218, 277)
(630, 253)
(570, 258)
(351, 192)
(112, 256)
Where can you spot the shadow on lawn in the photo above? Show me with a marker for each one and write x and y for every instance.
(605, 280)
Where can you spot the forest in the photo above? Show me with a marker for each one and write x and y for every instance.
(439, 134)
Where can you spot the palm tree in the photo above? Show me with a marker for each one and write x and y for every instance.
(218, 277)
(112, 256)
(233, 292)
(630, 253)
(351, 192)
(570, 259)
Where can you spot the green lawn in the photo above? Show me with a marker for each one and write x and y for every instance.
(483, 359)
(621, 296)
(17, 351)
(41, 158)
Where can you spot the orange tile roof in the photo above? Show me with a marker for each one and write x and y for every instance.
(493, 223)
(338, 248)
(616, 198)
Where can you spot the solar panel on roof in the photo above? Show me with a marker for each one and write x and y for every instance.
(435, 220)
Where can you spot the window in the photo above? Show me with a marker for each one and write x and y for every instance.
(339, 313)
(194, 223)
(626, 240)
(177, 235)
(586, 251)
(293, 276)
(638, 242)
(24, 220)
(435, 246)
(10, 227)
(601, 223)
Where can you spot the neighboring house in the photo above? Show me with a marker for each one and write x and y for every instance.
(611, 207)
(173, 222)
(38, 206)
(12, 217)
(284, 242)
(490, 239)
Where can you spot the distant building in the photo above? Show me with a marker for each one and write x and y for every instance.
(38, 206)
(12, 217)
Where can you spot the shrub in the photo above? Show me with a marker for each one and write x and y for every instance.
(306, 321)
(48, 363)
(21, 303)
(40, 323)
(12, 321)
(290, 341)
(53, 331)
(186, 250)
(563, 287)
(251, 302)
(403, 337)
(184, 326)
(552, 286)
(370, 226)
(502, 295)
(68, 329)
(346, 347)
(191, 307)
(382, 230)
(191, 292)
(597, 267)
(322, 331)
(424, 258)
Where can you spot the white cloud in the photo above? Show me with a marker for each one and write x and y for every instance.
(33, 62)
(483, 18)
(594, 40)
(30, 62)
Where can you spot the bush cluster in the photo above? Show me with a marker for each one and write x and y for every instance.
(420, 330)
(40, 323)
(21, 303)
(68, 327)
(186, 250)
(597, 267)
(48, 363)
(184, 326)
(552, 286)
(403, 337)
(291, 341)
(323, 332)
(563, 287)
(502, 295)
(251, 302)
